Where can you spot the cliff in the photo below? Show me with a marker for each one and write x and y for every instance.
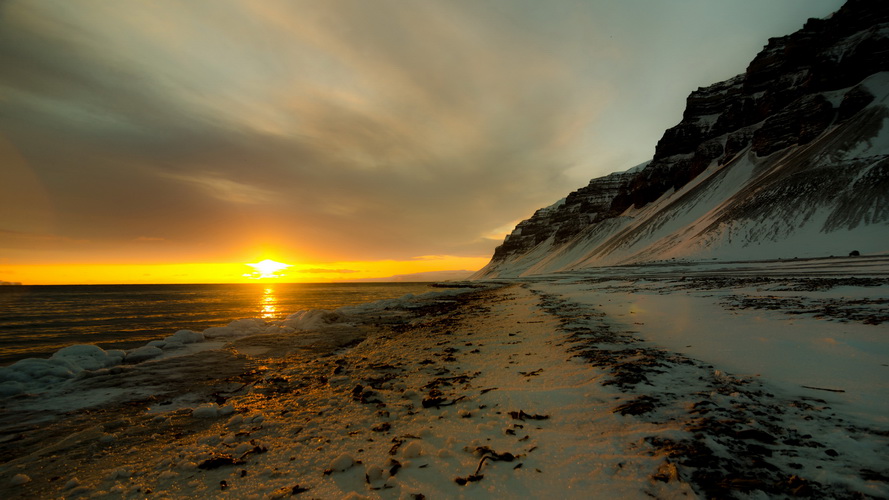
(788, 159)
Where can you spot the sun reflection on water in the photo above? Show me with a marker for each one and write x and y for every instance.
(268, 304)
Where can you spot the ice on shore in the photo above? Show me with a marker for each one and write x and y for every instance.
(312, 319)
(34, 373)
(143, 353)
(37, 375)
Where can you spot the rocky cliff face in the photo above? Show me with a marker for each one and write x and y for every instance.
(787, 155)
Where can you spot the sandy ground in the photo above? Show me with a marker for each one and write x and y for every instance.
(545, 388)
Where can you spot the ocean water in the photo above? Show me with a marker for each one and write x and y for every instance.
(36, 321)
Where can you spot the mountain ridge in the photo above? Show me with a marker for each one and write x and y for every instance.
(789, 158)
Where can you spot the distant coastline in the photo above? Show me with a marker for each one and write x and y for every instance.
(10, 283)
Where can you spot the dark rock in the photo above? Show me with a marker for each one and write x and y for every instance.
(394, 466)
(433, 402)
(854, 101)
(799, 123)
(469, 479)
(521, 415)
(638, 406)
(756, 435)
(217, 461)
(797, 486)
(356, 391)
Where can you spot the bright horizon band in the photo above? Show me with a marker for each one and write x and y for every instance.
(67, 274)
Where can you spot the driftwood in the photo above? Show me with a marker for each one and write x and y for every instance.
(487, 454)
(823, 389)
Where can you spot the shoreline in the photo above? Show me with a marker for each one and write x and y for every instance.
(520, 389)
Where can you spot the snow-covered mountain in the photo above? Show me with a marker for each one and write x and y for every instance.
(789, 159)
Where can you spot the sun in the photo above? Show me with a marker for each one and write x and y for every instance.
(266, 269)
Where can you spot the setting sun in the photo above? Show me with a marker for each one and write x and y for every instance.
(266, 269)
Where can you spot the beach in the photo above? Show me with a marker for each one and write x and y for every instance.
(745, 380)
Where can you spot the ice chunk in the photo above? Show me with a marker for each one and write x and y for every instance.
(311, 319)
(143, 353)
(87, 357)
(186, 337)
(11, 388)
(35, 374)
(171, 344)
(34, 369)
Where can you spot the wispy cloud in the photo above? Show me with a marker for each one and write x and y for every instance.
(226, 189)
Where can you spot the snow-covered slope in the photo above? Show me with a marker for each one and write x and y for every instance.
(789, 159)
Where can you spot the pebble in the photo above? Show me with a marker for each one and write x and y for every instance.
(167, 474)
(208, 410)
(413, 450)
(19, 479)
(212, 410)
(118, 474)
(341, 463)
(374, 472)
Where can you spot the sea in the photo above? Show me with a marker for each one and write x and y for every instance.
(38, 320)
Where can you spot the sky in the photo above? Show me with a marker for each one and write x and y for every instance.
(169, 141)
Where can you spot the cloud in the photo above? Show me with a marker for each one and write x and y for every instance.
(341, 130)
(226, 189)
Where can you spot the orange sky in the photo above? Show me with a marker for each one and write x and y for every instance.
(229, 272)
(166, 141)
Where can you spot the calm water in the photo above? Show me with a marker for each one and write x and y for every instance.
(36, 321)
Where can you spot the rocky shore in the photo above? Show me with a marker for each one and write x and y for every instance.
(514, 389)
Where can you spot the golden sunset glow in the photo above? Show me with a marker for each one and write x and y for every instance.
(322, 272)
(268, 304)
(267, 268)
